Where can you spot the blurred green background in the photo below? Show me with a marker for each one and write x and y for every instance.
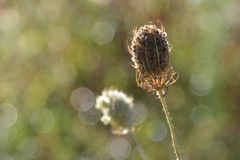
(57, 56)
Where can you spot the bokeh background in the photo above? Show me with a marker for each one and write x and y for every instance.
(57, 56)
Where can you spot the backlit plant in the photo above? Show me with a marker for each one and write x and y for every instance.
(150, 57)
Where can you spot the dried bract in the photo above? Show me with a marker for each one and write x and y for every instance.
(150, 56)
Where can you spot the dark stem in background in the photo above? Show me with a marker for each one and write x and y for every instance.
(140, 149)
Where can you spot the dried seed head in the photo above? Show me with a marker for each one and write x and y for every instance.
(150, 49)
(150, 55)
(117, 109)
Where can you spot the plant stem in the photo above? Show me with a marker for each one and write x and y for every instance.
(173, 135)
(140, 149)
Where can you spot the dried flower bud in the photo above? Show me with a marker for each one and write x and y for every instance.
(150, 55)
(117, 110)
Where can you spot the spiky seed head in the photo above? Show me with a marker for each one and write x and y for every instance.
(150, 50)
(150, 56)
(117, 110)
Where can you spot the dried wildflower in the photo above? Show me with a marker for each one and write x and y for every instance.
(150, 55)
(117, 109)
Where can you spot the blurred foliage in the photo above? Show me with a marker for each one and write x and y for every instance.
(57, 56)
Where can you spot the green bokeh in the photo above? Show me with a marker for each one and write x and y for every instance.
(49, 49)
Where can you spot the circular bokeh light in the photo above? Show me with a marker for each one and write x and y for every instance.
(42, 120)
(216, 149)
(8, 115)
(156, 130)
(102, 33)
(202, 115)
(82, 99)
(120, 149)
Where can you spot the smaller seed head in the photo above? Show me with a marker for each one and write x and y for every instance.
(117, 110)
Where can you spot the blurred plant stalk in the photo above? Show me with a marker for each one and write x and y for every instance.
(139, 147)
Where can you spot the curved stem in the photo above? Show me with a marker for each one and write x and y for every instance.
(140, 149)
(173, 135)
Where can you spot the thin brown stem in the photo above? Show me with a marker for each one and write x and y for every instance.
(171, 127)
(140, 149)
